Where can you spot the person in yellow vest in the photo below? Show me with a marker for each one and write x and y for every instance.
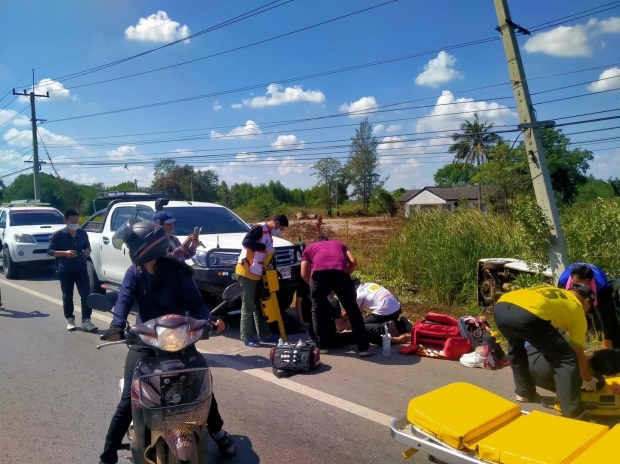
(535, 316)
(257, 245)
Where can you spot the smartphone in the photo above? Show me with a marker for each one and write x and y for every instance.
(196, 231)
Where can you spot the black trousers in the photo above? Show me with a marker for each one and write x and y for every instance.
(122, 417)
(322, 283)
(519, 326)
(79, 278)
(374, 325)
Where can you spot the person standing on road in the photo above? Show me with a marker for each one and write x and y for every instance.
(326, 266)
(71, 248)
(535, 316)
(184, 251)
(257, 245)
(586, 273)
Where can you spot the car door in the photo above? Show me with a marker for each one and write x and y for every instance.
(3, 218)
(115, 262)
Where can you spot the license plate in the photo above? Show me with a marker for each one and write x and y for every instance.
(285, 271)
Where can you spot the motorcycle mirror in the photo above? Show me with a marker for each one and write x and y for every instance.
(99, 302)
(232, 292)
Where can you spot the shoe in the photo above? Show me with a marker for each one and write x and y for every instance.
(88, 326)
(226, 445)
(392, 330)
(252, 342)
(71, 324)
(369, 352)
(472, 359)
(273, 338)
(528, 399)
(406, 324)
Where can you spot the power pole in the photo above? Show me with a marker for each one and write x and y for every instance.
(35, 142)
(558, 256)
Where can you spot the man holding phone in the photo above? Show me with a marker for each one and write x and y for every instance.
(181, 251)
(71, 248)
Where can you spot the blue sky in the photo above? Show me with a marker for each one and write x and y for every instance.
(256, 135)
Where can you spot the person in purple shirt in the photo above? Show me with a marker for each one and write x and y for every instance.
(326, 266)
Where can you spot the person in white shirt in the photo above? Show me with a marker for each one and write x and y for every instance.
(383, 306)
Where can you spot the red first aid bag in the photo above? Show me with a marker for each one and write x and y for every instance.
(434, 330)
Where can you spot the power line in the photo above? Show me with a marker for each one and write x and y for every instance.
(5, 107)
(14, 116)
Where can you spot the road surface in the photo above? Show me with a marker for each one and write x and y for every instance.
(59, 392)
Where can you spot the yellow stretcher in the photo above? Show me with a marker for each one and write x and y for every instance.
(462, 423)
(271, 308)
(600, 403)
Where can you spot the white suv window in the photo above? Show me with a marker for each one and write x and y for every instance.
(121, 216)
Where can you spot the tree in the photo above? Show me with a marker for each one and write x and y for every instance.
(614, 183)
(363, 163)
(2, 187)
(471, 146)
(328, 170)
(454, 175)
(593, 189)
(223, 194)
(184, 182)
(382, 202)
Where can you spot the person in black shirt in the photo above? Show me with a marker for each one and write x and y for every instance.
(71, 247)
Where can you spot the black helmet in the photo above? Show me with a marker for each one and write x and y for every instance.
(145, 240)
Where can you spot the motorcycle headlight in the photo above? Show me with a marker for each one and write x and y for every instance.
(168, 339)
(24, 238)
(194, 336)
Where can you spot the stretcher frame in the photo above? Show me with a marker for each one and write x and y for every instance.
(418, 440)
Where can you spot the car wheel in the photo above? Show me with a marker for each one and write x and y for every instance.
(10, 267)
(93, 280)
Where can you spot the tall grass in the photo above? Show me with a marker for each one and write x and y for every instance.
(434, 256)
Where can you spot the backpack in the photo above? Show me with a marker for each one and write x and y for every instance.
(287, 360)
(478, 331)
(437, 335)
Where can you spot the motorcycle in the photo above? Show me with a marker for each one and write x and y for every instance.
(171, 390)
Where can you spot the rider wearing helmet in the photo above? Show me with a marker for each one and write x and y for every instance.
(158, 285)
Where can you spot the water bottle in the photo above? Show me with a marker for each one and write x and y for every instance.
(386, 341)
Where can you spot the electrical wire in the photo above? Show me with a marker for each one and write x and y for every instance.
(5, 107)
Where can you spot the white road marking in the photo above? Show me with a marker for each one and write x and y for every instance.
(326, 398)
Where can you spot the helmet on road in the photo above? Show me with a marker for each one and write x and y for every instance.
(145, 240)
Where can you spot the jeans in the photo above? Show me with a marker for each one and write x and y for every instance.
(322, 283)
(253, 320)
(122, 417)
(79, 278)
(519, 326)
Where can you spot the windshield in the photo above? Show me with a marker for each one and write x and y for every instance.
(35, 217)
(210, 219)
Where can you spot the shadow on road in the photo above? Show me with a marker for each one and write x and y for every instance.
(21, 315)
(245, 452)
(40, 273)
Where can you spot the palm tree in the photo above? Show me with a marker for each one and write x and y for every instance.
(472, 145)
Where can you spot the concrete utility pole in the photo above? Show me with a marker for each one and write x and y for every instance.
(35, 142)
(533, 143)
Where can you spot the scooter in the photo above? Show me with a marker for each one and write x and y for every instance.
(171, 391)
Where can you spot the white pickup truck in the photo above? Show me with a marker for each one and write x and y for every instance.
(25, 231)
(214, 264)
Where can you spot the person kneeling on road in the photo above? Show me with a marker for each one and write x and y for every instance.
(585, 273)
(326, 266)
(383, 307)
(160, 286)
(534, 315)
(257, 245)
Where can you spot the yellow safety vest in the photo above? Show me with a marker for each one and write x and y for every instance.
(251, 263)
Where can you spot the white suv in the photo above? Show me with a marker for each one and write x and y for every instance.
(25, 233)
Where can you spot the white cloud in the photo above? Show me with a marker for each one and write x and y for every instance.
(236, 106)
(142, 174)
(287, 141)
(377, 129)
(443, 116)
(242, 158)
(56, 89)
(20, 120)
(157, 28)
(606, 165)
(290, 166)
(249, 131)
(217, 106)
(24, 138)
(394, 128)
(360, 108)
(123, 153)
(290, 94)
(609, 79)
(439, 71)
(571, 41)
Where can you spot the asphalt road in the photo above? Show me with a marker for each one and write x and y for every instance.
(59, 392)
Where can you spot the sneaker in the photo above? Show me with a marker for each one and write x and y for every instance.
(71, 324)
(392, 330)
(226, 445)
(535, 398)
(252, 342)
(88, 326)
(472, 359)
(369, 352)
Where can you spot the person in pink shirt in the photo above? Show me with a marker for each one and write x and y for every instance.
(326, 265)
